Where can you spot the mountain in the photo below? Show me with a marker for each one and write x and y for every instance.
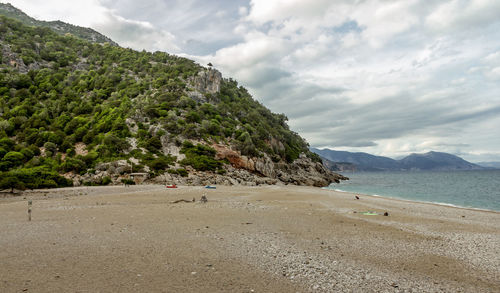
(362, 161)
(338, 166)
(78, 112)
(429, 161)
(436, 161)
(59, 27)
(492, 165)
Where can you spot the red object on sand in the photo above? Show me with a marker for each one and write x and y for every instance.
(172, 186)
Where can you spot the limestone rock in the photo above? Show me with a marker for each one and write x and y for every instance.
(207, 81)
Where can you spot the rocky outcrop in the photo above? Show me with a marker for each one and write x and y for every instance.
(302, 171)
(207, 81)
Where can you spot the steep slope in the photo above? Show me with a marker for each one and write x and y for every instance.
(59, 27)
(98, 113)
(338, 166)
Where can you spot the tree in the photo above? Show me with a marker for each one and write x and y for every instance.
(14, 158)
(12, 183)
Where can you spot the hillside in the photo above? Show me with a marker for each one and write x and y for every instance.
(59, 27)
(97, 113)
(434, 161)
(490, 165)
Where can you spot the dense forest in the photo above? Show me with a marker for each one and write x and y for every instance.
(61, 92)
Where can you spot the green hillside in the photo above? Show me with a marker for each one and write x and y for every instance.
(60, 92)
(59, 27)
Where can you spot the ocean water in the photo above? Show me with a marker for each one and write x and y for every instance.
(471, 189)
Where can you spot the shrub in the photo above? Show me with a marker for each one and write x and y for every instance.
(200, 157)
(182, 172)
(106, 180)
(38, 177)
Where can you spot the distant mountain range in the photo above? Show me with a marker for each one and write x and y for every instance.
(59, 27)
(435, 161)
(494, 165)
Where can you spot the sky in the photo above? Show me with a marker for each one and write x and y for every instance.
(385, 77)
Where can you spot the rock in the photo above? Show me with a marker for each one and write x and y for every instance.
(207, 81)
(233, 181)
(265, 166)
(114, 168)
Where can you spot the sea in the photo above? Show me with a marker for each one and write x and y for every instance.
(469, 189)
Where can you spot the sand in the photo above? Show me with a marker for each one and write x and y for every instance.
(244, 239)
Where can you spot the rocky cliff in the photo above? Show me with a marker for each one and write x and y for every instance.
(240, 170)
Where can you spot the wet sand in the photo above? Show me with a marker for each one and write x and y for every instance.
(244, 239)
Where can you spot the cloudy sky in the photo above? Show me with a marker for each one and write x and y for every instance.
(384, 77)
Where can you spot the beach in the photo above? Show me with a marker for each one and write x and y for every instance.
(243, 239)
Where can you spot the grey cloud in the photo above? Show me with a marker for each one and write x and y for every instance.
(264, 75)
(389, 118)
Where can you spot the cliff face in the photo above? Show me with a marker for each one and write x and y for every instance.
(302, 171)
(207, 81)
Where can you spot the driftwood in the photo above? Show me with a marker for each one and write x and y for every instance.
(182, 200)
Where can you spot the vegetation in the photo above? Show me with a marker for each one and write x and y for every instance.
(59, 91)
(57, 26)
(200, 157)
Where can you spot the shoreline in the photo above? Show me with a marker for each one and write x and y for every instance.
(161, 186)
(443, 204)
(244, 239)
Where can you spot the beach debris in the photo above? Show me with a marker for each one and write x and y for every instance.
(203, 198)
(372, 213)
(356, 197)
(182, 200)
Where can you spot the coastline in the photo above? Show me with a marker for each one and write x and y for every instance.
(388, 197)
(264, 238)
(471, 189)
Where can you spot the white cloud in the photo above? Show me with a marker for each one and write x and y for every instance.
(137, 35)
(463, 15)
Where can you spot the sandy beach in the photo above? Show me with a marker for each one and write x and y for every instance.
(244, 239)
